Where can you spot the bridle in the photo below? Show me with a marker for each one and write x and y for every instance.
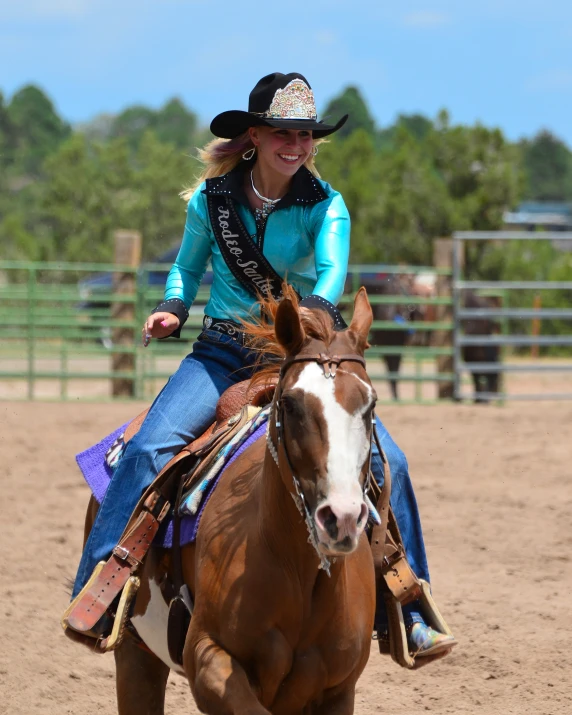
(331, 361)
(329, 364)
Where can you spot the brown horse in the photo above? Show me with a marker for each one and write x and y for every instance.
(403, 286)
(272, 631)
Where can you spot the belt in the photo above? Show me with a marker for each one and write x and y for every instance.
(228, 327)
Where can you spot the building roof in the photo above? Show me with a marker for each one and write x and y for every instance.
(540, 213)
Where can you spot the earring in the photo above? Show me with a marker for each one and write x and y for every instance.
(315, 150)
(247, 156)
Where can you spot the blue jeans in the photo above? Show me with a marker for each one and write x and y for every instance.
(404, 505)
(181, 412)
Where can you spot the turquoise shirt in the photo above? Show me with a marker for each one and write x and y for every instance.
(306, 241)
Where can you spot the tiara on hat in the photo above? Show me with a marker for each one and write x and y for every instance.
(295, 101)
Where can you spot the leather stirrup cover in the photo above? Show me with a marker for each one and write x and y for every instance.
(398, 646)
(115, 639)
(430, 610)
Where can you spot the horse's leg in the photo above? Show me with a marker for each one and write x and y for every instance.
(493, 378)
(218, 682)
(342, 703)
(397, 367)
(141, 680)
(480, 386)
(392, 363)
(91, 513)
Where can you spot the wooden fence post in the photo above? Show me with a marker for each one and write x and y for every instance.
(443, 258)
(127, 252)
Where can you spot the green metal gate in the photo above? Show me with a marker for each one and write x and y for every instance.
(58, 331)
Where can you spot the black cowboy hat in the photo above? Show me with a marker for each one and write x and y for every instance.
(278, 100)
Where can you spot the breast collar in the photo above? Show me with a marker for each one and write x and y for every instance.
(305, 189)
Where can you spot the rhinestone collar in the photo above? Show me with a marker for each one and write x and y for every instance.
(305, 189)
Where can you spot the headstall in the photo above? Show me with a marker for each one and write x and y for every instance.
(330, 364)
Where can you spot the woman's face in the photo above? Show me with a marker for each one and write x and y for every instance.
(282, 150)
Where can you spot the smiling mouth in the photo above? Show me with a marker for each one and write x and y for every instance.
(290, 158)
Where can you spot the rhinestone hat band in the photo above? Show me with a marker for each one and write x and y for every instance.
(295, 101)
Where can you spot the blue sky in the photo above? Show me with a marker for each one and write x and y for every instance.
(506, 63)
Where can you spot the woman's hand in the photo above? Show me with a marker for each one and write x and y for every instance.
(159, 325)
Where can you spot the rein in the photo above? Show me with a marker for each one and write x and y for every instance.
(330, 364)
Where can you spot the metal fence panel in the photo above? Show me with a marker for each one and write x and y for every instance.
(526, 313)
(58, 329)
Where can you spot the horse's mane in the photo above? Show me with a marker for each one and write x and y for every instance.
(260, 334)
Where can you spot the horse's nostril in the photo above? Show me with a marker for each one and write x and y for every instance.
(328, 521)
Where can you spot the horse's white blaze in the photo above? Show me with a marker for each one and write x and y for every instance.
(348, 443)
(152, 626)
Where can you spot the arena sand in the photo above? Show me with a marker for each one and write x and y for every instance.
(495, 493)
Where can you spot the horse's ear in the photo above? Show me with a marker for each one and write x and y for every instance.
(361, 320)
(288, 328)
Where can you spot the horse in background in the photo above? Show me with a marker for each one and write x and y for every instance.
(424, 285)
(406, 285)
(484, 382)
(282, 623)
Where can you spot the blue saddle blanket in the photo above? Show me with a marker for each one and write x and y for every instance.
(97, 473)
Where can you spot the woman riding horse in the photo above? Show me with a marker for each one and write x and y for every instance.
(260, 214)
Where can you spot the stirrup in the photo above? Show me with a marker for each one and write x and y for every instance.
(127, 595)
(398, 646)
(110, 578)
(78, 599)
(92, 639)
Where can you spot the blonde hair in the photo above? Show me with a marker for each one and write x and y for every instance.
(220, 156)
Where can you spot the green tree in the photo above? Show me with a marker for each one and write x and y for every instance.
(17, 241)
(161, 171)
(351, 102)
(404, 186)
(483, 178)
(548, 167)
(175, 124)
(132, 123)
(99, 128)
(84, 198)
(413, 206)
(93, 188)
(35, 129)
(416, 124)
(397, 202)
(349, 165)
(4, 135)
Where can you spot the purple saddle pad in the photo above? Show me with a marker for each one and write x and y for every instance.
(98, 474)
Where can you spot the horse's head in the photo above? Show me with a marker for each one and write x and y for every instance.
(324, 409)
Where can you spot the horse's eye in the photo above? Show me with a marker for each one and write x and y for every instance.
(293, 406)
(369, 413)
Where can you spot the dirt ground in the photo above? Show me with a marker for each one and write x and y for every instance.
(495, 497)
